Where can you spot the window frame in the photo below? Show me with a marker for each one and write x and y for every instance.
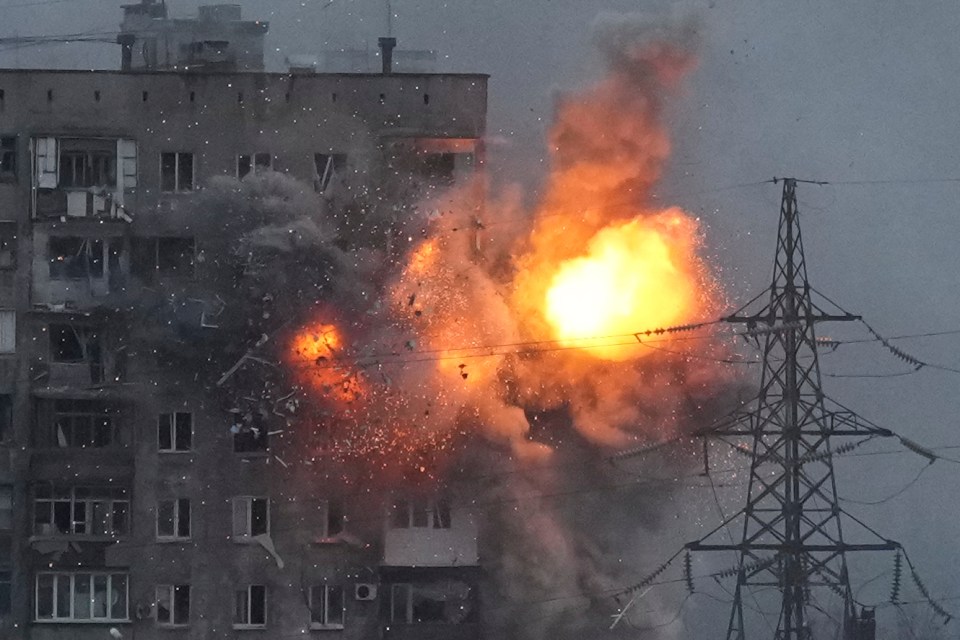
(68, 496)
(437, 512)
(107, 413)
(324, 606)
(248, 595)
(8, 245)
(174, 417)
(177, 188)
(247, 534)
(8, 154)
(254, 166)
(171, 591)
(8, 339)
(176, 536)
(72, 618)
(333, 164)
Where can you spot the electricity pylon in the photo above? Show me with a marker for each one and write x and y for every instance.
(792, 537)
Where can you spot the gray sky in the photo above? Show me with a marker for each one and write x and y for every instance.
(857, 91)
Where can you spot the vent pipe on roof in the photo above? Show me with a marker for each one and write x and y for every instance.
(386, 53)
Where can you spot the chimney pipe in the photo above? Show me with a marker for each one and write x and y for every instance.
(386, 53)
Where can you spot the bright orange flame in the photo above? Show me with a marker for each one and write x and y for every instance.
(634, 276)
(315, 351)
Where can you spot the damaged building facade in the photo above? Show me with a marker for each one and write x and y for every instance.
(126, 499)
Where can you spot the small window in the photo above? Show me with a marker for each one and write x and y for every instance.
(73, 258)
(80, 511)
(8, 245)
(442, 601)
(74, 344)
(173, 519)
(250, 606)
(8, 158)
(8, 331)
(175, 431)
(6, 589)
(169, 257)
(334, 518)
(6, 507)
(421, 514)
(176, 171)
(88, 162)
(173, 605)
(6, 417)
(81, 597)
(84, 424)
(251, 517)
(248, 435)
(326, 167)
(326, 607)
(257, 162)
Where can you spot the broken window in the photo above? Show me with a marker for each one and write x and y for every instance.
(173, 605)
(326, 607)
(86, 511)
(84, 424)
(251, 517)
(8, 245)
(176, 171)
(173, 519)
(249, 436)
(75, 345)
(442, 601)
(81, 597)
(421, 514)
(250, 608)
(8, 331)
(167, 257)
(175, 431)
(438, 168)
(326, 167)
(257, 162)
(86, 163)
(73, 258)
(8, 158)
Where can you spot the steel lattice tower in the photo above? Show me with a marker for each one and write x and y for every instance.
(792, 538)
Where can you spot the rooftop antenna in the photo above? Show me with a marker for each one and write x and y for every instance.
(389, 18)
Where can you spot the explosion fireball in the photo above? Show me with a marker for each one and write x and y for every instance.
(635, 275)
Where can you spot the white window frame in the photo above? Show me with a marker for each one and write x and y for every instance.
(176, 172)
(88, 511)
(432, 508)
(249, 599)
(174, 417)
(324, 507)
(171, 590)
(8, 331)
(175, 504)
(73, 577)
(247, 532)
(323, 607)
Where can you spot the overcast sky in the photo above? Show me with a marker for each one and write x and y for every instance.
(842, 92)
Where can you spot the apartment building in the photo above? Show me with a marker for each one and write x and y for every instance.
(129, 499)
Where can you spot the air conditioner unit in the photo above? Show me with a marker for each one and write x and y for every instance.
(364, 591)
